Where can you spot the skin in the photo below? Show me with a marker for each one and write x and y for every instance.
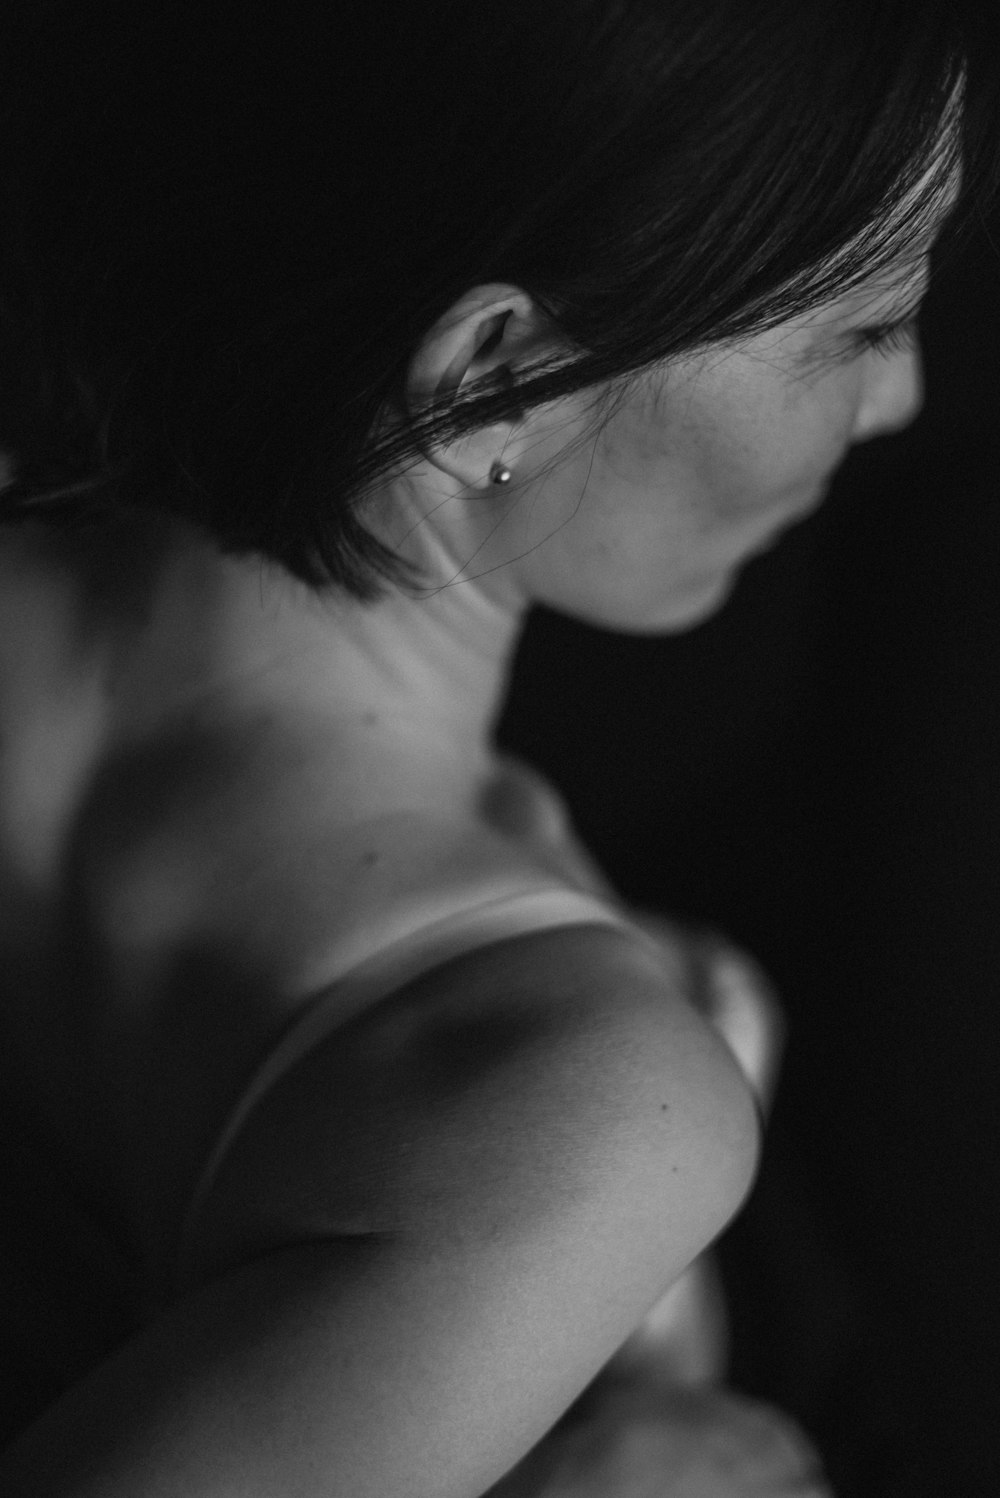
(644, 526)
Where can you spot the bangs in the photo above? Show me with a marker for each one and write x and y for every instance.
(928, 205)
(858, 193)
(212, 283)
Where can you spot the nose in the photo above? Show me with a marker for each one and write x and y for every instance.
(893, 394)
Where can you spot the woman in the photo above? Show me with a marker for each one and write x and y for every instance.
(335, 343)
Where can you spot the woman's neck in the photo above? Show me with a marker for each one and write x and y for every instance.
(432, 667)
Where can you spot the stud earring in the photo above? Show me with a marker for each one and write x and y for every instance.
(499, 474)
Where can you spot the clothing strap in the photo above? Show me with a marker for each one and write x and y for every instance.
(399, 963)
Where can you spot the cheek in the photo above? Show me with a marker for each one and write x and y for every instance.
(822, 412)
(721, 449)
(694, 439)
(661, 456)
(783, 445)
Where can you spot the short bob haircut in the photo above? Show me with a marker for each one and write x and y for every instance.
(223, 238)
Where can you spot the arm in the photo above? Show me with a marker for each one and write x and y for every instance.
(723, 983)
(684, 1339)
(425, 1244)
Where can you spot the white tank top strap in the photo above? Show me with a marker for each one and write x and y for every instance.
(398, 963)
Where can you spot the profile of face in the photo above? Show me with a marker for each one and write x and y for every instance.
(707, 461)
(643, 524)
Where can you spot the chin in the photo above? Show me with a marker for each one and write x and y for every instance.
(686, 608)
(702, 601)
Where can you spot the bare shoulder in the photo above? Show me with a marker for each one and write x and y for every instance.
(553, 1078)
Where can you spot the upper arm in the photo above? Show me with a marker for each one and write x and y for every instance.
(431, 1237)
(525, 1149)
(513, 1090)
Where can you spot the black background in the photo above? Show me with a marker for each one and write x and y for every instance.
(817, 772)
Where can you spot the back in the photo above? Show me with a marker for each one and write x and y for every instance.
(194, 893)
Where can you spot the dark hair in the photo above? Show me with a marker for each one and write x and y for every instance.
(223, 237)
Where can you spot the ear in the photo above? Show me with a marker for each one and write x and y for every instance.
(487, 332)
